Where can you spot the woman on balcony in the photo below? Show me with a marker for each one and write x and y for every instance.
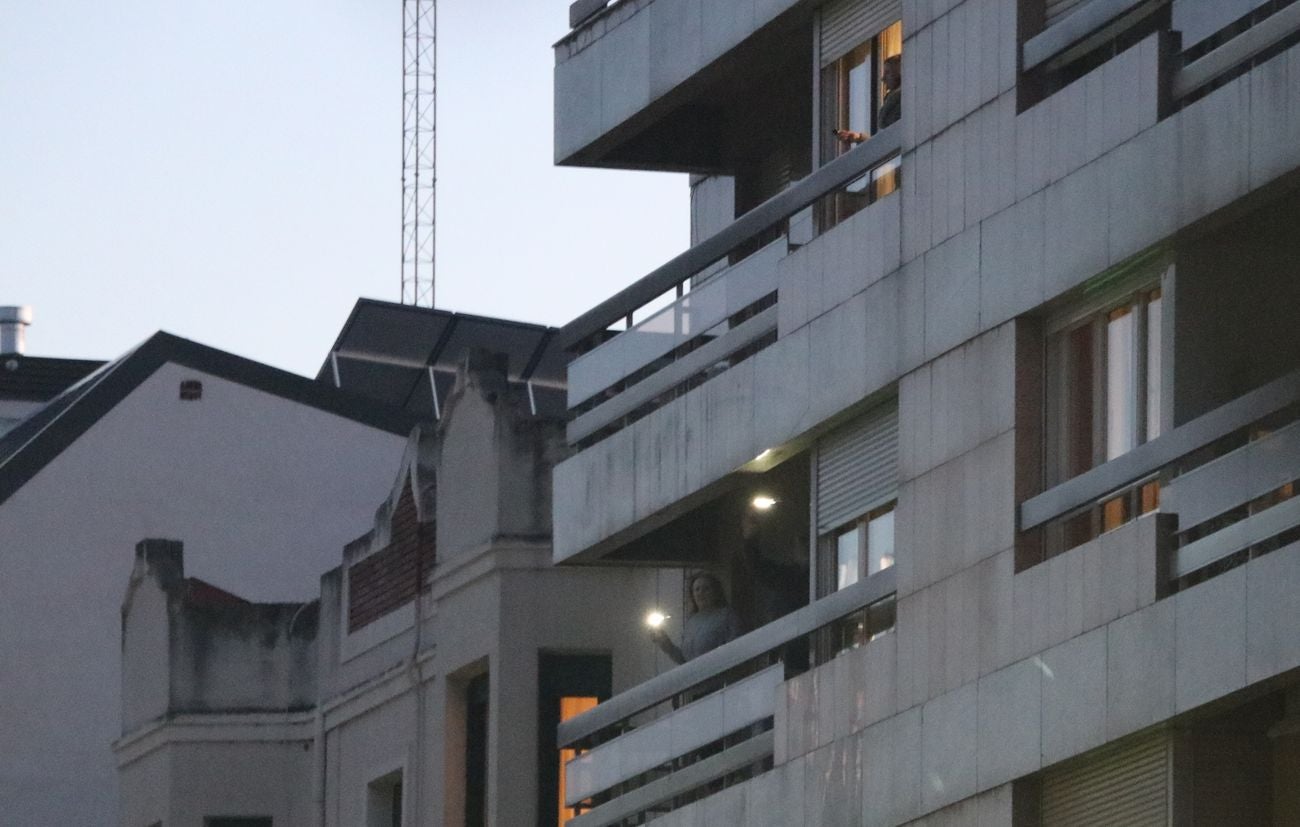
(711, 622)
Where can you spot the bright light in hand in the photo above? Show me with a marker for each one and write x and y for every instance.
(655, 619)
(763, 502)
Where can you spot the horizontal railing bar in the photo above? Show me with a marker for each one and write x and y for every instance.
(687, 778)
(711, 664)
(808, 189)
(705, 307)
(1234, 479)
(1146, 459)
(630, 755)
(1074, 27)
(1263, 35)
(1232, 539)
(673, 375)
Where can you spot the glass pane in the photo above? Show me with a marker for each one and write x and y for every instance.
(859, 97)
(846, 558)
(880, 543)
(1153, 365)
(1120, 407)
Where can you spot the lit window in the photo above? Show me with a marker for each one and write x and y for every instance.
(860, 93)
(570, 707)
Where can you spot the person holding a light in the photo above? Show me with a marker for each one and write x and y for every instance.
(711, 622)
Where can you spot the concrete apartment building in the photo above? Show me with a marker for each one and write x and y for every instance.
(1006, 388)
(425, 684)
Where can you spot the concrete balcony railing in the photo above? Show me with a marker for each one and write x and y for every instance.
(618, 375)
(717, 714)
(1219, 38)
(1228, 477)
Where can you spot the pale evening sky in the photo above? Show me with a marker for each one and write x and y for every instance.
(230, 171)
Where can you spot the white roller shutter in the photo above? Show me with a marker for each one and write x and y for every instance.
(1057, 9)
(1126, 784)
(857, 467)
(846, 23)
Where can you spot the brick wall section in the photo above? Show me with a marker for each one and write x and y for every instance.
(391, 577)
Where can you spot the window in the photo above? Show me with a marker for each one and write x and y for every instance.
(476, 751)
(860, 93)
(1104, 377)
(191, 390)
(237, 821)
(857, 485)
(864, 547)
(1104, 380)
(568, 685)
(384, 801)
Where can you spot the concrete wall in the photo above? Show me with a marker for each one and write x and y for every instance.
(262, 491)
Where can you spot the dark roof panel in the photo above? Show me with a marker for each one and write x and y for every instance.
(385, 350)
(40, 378)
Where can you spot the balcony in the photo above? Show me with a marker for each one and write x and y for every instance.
(683, 734)
(1213, 42)
(1226, 478)
(652, 84)
(619, 376)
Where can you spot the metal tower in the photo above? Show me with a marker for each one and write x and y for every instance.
(419, 148)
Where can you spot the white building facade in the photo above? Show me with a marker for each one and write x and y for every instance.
(173, 439)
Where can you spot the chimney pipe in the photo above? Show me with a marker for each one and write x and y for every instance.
(13, 329)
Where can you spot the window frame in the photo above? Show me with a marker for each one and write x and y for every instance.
(834, 108)
(1135, 297)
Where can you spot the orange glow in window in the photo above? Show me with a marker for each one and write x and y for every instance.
(569, 708)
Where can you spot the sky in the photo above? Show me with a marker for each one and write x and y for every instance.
(230, 171)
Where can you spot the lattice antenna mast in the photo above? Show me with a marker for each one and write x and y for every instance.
(419, 148)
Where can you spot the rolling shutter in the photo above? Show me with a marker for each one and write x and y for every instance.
(1058, 9)
(1127, 783)
(846, 23)
(857, 467)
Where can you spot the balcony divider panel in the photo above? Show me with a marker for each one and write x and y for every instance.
(857, 467)
(745, 648)
(882, 146)
(1149, 458)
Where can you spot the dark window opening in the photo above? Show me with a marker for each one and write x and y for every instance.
(476, 751)
(191, 389)
(237, 821)
(568, 685)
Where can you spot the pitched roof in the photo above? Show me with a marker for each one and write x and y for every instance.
(41, 437)
(40, 378)
(390, 351)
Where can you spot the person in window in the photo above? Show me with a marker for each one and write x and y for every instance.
(711, 622)
(891, 107)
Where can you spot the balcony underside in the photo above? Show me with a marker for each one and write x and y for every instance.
(658, 87)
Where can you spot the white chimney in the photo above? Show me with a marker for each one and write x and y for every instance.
(13, 329)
